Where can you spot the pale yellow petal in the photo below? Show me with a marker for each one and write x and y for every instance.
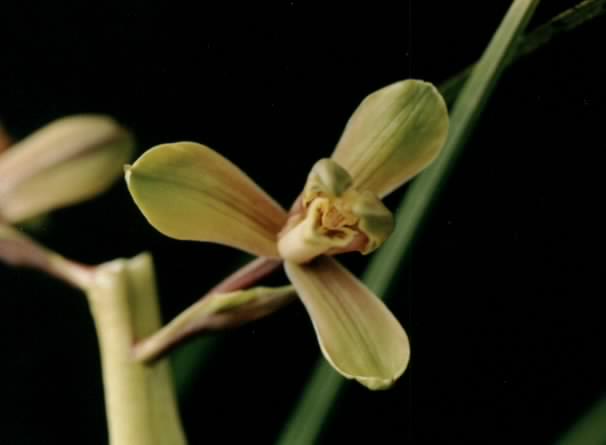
(69, 160)
(393, 135)
(188, 191)
(358, 335)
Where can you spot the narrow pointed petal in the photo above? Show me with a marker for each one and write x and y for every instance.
(189, 192)
(358, 335)
(215, 311)
(393, 135)
(69, 160)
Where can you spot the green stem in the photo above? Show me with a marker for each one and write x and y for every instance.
(140, 400)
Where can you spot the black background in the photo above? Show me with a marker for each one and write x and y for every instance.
(501, 295)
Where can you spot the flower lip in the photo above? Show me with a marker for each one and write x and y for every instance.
(332, 217)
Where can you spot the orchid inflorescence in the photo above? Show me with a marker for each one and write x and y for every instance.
(189, 192)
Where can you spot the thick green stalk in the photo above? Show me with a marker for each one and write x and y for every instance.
(140, 400)
(308, 418)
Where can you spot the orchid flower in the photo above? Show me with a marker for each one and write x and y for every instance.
(189, 192)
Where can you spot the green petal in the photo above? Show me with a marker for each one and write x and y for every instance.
(69, 160)
(189, 192)
(393, 135)
(358, 335)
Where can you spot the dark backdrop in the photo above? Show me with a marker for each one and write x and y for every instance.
(499, 295)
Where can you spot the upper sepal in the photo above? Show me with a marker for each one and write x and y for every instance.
(393, 135)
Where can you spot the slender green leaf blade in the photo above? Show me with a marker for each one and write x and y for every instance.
(308, 417)
(589, 429)
(188, 359)
(567, 21)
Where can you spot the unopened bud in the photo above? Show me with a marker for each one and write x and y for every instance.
(67, 161)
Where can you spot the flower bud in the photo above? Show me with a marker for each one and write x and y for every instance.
(67, 161)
